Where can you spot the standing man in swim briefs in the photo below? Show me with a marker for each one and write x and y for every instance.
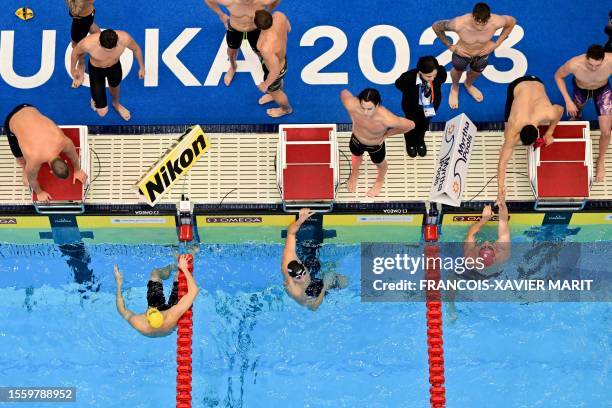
(104, 50)
(372, 124)
(527, 107)
(34, 140)
(239, 24)
(160, 318)
(272, 45)
(82, 13)
(591, 73)
(475, 44)
(305, 289)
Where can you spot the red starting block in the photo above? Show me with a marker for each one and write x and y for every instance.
(307, 167)
(67, 197)
(561, 174)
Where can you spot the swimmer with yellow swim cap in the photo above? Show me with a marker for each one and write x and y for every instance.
(160, 318)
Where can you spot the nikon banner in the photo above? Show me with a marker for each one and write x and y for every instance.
(175, 163)
(450, 175)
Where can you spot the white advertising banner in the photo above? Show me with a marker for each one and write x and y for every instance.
(450, 175)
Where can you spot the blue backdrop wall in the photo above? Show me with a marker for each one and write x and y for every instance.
(334, 44)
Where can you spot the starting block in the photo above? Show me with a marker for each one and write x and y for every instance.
(307, 167)
(561, 174)
(67, 197)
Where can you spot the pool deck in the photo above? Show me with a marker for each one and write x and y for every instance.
(239, 168)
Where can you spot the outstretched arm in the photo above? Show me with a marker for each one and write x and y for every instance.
(289, 253)
(121, 309)
(192, 291)
(504, 157)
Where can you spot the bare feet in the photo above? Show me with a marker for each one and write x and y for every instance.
(78, 81)
(375, 190)
(267, 98)
(124, 113)
(278, 112)
(92, 104)
(352, 182)
(229, 75)
(600, 172)
(453, 97)
(476, 94)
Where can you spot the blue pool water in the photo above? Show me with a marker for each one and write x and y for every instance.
(254, 347)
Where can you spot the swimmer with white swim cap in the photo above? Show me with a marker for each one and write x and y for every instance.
(161, 318)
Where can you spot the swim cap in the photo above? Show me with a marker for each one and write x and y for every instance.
(155, 318)
(296, 268)
(488, 256)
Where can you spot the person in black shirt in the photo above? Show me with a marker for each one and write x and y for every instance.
(421, 97)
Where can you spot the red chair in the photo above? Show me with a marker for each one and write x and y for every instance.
(307, 167)
(561, 174)
(67, 197)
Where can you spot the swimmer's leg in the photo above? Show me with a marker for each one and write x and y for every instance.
(284, 108)
(121, 110)
(380, 179)
(229, 75)
(605, 125)
(469, 85)
(453, 95)
(355, 165)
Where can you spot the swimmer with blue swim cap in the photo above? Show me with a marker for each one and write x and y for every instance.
(161, 318)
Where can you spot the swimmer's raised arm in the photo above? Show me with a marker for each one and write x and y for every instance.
(289, 253)
(176, 311)
(440, 28)
(121, 309)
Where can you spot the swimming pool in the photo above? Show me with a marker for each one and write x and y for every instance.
(254, 347)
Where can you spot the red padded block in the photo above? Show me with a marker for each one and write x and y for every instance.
(315, 153)
(563, 180)
(308, 182)
(563, 151)
(563, 131)
(308, 134)
(61, 190)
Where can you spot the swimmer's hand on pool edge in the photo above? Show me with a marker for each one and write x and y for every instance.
(305, 213)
